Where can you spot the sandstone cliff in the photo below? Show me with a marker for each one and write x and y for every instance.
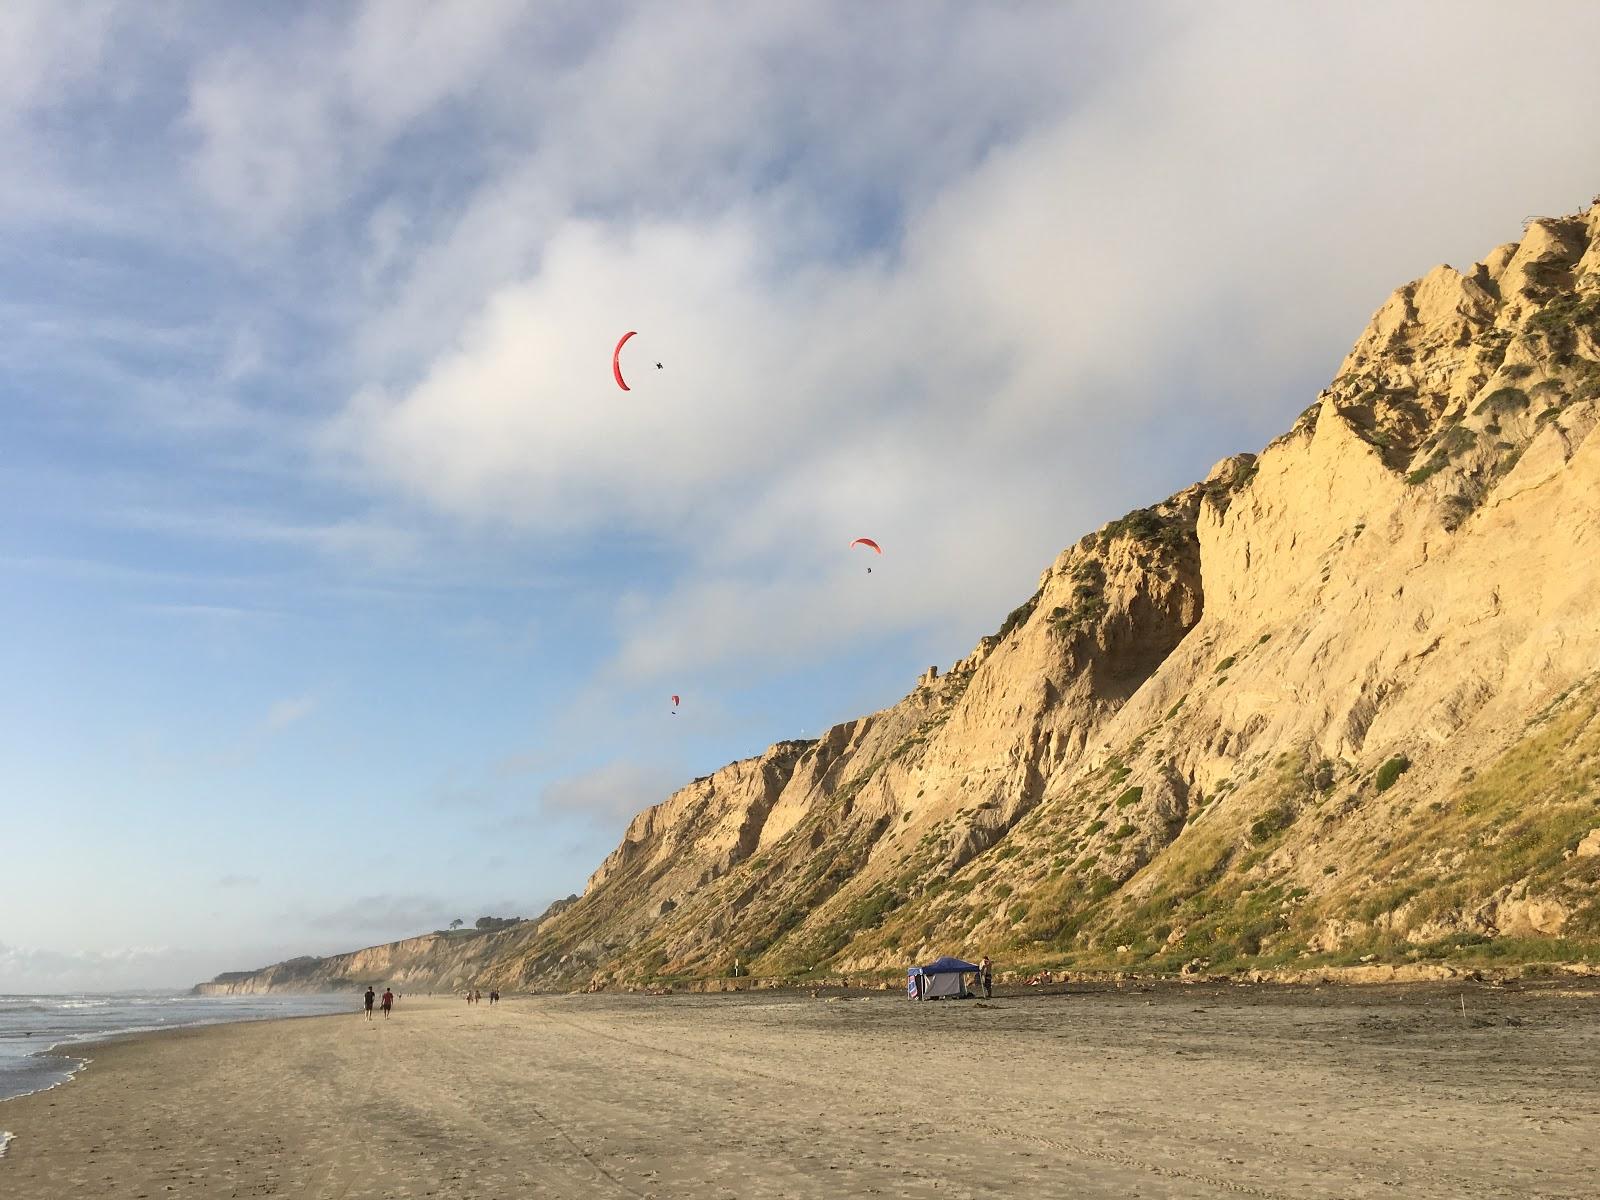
(1336, 702)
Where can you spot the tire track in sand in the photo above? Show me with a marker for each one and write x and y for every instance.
(1074, 1149)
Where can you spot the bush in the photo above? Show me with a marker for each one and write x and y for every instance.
(1503, 400)
(1226, 663)
(1270, 823)
(1131, 796)
(1149, 528)
(1429, 469)
(1142, 525)
(490, 924)
(1019, 614)
(1391, 771)
(1457, 440)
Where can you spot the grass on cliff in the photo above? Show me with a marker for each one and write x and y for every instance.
(1519, 819)
(1226, 891)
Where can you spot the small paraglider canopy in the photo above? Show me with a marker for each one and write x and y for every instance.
(616, 360)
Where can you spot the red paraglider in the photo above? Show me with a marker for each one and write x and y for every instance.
(616, 360)
(870, 544)
(674, 706)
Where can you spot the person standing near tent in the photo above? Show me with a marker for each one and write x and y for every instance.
(986, 976)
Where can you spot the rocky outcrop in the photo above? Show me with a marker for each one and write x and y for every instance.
(1335, 703)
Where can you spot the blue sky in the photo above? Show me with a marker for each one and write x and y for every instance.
(343, 592)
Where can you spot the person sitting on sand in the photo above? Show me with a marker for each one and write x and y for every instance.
(388, 1002)
(371, 995)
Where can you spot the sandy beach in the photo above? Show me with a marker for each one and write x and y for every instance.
(1176, 1092)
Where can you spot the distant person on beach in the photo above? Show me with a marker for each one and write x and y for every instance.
(986, 976)
(388, 1002)
(371, 996)
(494, 998)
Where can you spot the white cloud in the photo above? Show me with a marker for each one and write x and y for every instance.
(1065, 314)
(286, 128)
(356, 540)
(392, 916)
(31, 969)
(387, 914)
(610, 793)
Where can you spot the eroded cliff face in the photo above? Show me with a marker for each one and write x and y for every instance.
(1335, 701)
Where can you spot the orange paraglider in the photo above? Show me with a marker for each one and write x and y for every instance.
(871, 545)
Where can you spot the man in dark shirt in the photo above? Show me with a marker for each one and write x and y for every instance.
(371, 995)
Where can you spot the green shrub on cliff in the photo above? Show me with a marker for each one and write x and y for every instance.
(1391, 771)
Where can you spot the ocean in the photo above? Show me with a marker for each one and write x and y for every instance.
(37, 1033)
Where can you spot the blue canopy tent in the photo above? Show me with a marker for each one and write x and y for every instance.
(942, 979)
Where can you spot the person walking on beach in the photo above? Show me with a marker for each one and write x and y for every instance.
(494, 998)
(986, 976)
(371, 996)
(388, 1002)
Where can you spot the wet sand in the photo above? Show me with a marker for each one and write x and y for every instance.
(1180, 1092)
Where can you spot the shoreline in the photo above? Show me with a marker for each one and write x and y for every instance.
(70, 1052)
(1189, 1091)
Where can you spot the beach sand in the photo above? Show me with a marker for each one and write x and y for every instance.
(1178, 1092)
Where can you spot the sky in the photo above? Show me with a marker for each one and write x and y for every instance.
(343, 593)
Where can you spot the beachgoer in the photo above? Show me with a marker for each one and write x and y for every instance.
(370, 997)
(986, 976)
(388, 1002)
(494, 998)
